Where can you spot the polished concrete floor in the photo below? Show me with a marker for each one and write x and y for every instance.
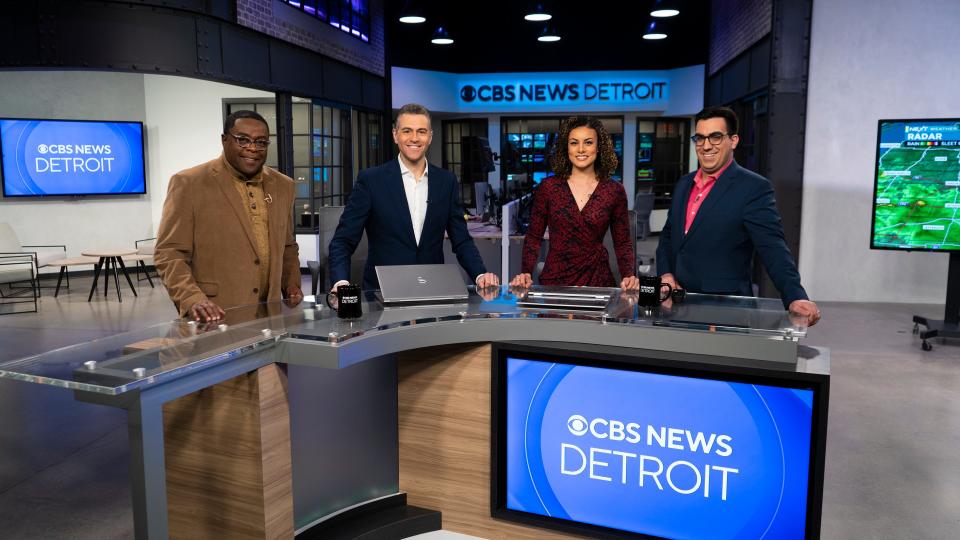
(893, 447)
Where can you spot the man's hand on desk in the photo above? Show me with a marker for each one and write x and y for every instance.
(205, 311)
(630, 283)
(292, 296)
(487, 280)
(670, 280)
(804, 311)
(522, 280)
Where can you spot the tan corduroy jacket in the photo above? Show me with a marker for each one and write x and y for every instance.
(205, 245)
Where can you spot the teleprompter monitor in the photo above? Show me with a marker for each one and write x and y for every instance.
(71, 157)
(916, 194)
(639, 448)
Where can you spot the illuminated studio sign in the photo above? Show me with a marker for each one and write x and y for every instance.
(675, 91)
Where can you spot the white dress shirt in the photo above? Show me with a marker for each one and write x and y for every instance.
(416, 192)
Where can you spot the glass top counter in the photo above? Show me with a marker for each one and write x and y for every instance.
(132, 360)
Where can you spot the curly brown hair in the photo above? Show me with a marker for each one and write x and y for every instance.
(606, 162)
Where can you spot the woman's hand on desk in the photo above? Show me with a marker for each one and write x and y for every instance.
(522, 280)
(630, 283)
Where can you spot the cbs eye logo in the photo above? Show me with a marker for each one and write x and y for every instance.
(577, 425)
(468, 93)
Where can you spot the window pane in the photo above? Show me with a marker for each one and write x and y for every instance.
(272, 160)
(341, 117)
(337, 157)
(301, 118)
(269, 113)
(301, 150)
(327, 115)
(456, 153)
(317, 119)
(325, 149)
(336, 180)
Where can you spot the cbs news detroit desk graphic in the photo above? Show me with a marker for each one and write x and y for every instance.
(663, 455)
(57, 157)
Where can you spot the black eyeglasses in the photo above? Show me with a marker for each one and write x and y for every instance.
(245, 142)
(714, 138)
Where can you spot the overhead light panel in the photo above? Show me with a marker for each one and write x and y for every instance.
(413, 19)
(653, 32)
(441, 37)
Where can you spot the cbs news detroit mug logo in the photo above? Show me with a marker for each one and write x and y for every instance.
(680, 476)
(74, 158)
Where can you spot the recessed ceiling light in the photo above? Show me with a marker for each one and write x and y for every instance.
(664, 13)
(548, 38)
(654, 36)
(412, 19)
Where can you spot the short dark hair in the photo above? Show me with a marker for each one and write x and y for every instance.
(606, 162)
(412, 108)
(733, 125)
(232, 118)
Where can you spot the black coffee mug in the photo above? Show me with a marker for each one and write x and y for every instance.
(653, 291)
(348, 302)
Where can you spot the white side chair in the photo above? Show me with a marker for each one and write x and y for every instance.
(15, 298)
(10, 245)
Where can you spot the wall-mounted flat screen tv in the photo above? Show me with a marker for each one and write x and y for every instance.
(43, 158)
(916, 190)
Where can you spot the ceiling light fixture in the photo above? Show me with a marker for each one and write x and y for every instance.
(653, 32)
(665, 8)
(548, 34)
(538, 14)
(412, 13)
(441, 37)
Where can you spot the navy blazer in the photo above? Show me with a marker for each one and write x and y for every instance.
(738, 217)
(378, 204)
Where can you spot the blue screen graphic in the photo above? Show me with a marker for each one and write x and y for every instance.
(663, 455)
(57, 157)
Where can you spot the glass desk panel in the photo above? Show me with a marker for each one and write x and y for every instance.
(704, 312)
(119, 363)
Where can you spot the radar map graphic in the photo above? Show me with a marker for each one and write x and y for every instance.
(917, 204)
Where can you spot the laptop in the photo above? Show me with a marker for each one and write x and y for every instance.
(421, 284)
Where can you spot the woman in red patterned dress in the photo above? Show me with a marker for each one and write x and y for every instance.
(578, 204)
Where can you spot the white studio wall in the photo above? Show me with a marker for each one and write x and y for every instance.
(869, 60)
(80, 223)
(183, 119)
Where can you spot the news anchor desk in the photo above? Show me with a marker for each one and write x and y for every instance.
(283, 418)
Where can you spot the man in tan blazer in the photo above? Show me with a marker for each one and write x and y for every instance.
(226, 235)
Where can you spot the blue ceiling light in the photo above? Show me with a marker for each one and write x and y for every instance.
(653, 32)
(441, 37)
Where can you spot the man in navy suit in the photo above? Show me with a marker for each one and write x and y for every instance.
(719, 217)
(405, 205)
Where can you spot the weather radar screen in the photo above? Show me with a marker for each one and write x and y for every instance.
(916, 200)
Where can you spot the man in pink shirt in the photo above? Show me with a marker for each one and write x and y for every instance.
(720, 217)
